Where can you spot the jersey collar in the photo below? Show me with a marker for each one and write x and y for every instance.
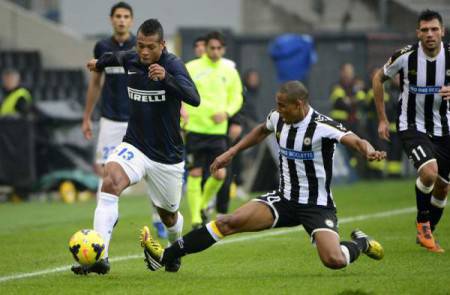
(422, 53)
(305, 120)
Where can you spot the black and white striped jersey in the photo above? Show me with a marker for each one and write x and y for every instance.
(420, 107)
(306, 156)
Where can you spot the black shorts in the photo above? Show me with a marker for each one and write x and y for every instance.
(421, 148)
(202, 149)
(288, 214)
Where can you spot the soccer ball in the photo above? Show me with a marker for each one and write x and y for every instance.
(86, 246)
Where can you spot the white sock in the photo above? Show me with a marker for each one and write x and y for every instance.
(346, 253)
(106, 215)
(175, 231)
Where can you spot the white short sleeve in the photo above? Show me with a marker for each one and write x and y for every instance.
(396, 62)
(332, 129)
(272, 120)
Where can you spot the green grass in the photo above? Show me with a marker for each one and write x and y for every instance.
(34, 237)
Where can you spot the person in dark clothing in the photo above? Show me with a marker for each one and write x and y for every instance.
(152, 148)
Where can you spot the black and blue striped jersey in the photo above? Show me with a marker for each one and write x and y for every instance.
(154, 124)
(114, 97)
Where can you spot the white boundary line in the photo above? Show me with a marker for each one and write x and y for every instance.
(228, 241)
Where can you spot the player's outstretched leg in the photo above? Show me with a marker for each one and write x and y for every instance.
(368, 246)
(101, 267)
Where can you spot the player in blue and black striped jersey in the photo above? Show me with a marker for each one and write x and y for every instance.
(157, 83)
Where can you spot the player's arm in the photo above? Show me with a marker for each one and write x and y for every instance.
(362, 146)
(378, 91)
(110, 59)
(258, 134)
(177, 79)
(445, 92)
(92, 96)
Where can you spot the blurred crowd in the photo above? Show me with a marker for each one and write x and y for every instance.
(352, 104)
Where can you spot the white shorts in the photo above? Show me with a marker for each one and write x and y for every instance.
(110, 135)
(164, 180)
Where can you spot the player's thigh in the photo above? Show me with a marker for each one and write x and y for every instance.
(110, 136)
(418, 147)
(252, 216)
(115, 180)
(283, 212)
(164, 184)
(130, 159)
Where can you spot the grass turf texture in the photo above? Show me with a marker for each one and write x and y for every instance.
(34, 237)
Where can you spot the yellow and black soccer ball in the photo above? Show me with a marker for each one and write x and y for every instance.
(86, 246)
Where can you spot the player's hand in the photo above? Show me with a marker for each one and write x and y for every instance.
(445, 92)
(221, 161)
(91, 65)
(86, 128)
(383, 130)
(376, 156)
(156, 72)
(234, 131)
(219, 117)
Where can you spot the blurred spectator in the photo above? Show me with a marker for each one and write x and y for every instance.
(15, 99)
(199, 46)
(347, 97)
(249, 110)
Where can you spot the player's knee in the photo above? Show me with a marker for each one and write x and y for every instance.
(229, 224)
(113, 183)
(428, 174)
(220, 174)
(168, 218)
(334, 261)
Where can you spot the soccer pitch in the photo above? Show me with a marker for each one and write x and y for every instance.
(35, 258)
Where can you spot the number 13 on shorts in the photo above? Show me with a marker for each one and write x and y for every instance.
(125, 153)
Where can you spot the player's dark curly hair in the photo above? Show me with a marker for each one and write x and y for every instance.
(123, 5)
(428, 15)
(152, 27)
(215, 35)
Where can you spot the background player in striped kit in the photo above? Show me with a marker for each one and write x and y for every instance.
(423, 118)
(306, 139)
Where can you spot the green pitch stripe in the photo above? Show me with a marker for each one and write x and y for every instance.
(249, 237)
